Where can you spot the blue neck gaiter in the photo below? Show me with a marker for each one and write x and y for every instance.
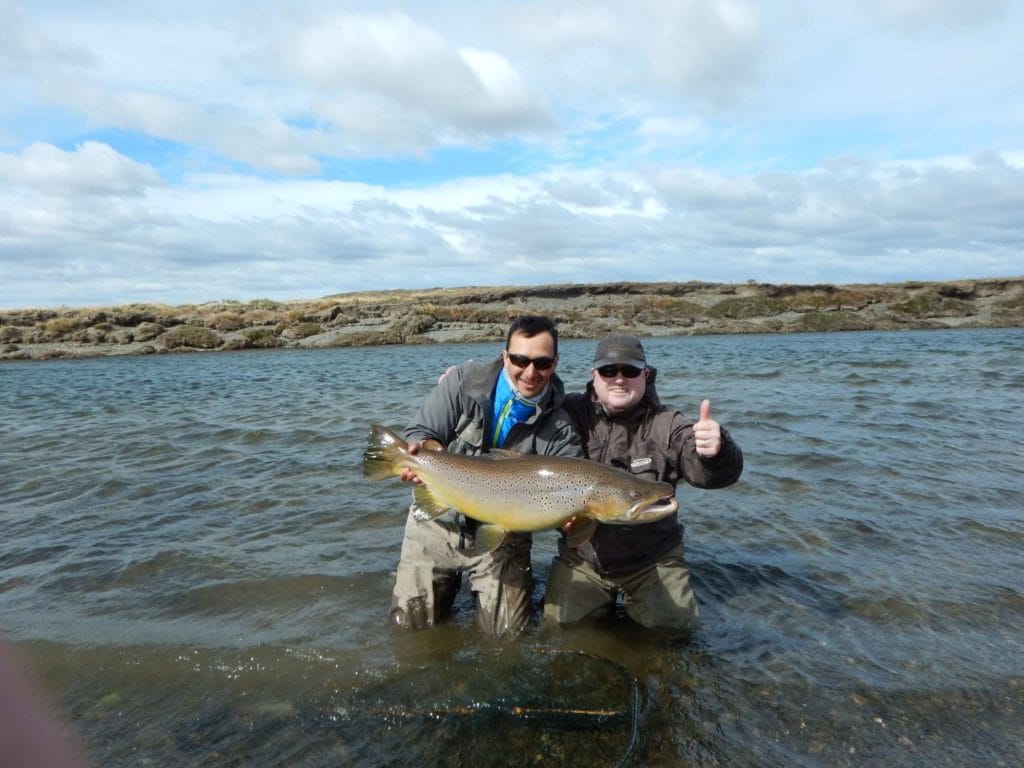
(510, 408)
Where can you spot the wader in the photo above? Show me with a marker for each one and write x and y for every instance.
(430, 573)
(658, 596)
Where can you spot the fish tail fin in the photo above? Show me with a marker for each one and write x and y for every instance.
(384, 453)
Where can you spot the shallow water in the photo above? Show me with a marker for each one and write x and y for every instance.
(194, 562)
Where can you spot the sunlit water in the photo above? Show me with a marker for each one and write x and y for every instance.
(193, 561)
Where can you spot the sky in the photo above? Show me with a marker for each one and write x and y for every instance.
(205, 151)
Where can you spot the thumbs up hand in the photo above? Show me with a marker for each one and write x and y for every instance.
(706, 432)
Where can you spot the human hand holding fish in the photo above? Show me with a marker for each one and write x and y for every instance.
(408, 475)
(707, 434)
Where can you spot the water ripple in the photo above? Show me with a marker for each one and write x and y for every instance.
(189, 541)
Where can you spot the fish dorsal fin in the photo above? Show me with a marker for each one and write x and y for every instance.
(499, 454)
(427, 507)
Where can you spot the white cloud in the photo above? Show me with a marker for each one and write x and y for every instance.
(201, 151)
(398, 84)
(91, 169)
(607, 53)
(23, 47)
(915, 14)
(676, 129)
(222, 236)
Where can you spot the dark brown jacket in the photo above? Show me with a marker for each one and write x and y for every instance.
(653, 442)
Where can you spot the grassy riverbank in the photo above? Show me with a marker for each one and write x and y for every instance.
(478, 314)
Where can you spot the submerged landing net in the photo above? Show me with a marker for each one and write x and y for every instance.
(554, 704)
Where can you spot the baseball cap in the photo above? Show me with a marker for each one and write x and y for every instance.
(621, 349)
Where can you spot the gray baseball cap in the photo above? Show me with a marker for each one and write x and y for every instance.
(622, 350)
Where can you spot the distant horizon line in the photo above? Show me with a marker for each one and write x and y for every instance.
(514, 288)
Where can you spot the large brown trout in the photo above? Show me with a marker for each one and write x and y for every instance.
(510, 491)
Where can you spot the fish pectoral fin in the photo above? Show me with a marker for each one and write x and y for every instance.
(425, 505)
(487, 539)
(580, 531)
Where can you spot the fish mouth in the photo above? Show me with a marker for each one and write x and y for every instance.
(653, 508)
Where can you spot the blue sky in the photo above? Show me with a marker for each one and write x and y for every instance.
(203, 151)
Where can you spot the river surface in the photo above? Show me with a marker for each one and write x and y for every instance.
(198, 572)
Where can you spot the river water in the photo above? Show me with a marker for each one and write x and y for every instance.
(196, 568)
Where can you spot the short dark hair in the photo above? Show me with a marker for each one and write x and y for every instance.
(530, 326)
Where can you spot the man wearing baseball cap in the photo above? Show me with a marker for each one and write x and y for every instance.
(622, 422)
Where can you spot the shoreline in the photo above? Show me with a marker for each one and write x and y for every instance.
(457, 315)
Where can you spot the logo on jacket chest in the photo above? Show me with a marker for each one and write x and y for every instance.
(641, 463)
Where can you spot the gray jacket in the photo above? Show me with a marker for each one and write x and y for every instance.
(459, 414)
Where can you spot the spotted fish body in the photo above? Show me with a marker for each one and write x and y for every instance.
(518, 492)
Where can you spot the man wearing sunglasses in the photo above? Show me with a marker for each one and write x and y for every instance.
(623, 423)
(513, 402)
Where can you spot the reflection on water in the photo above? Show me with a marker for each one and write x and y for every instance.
(192, 558)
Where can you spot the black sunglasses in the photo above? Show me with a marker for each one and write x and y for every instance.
(611, 371)
(540, 363)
